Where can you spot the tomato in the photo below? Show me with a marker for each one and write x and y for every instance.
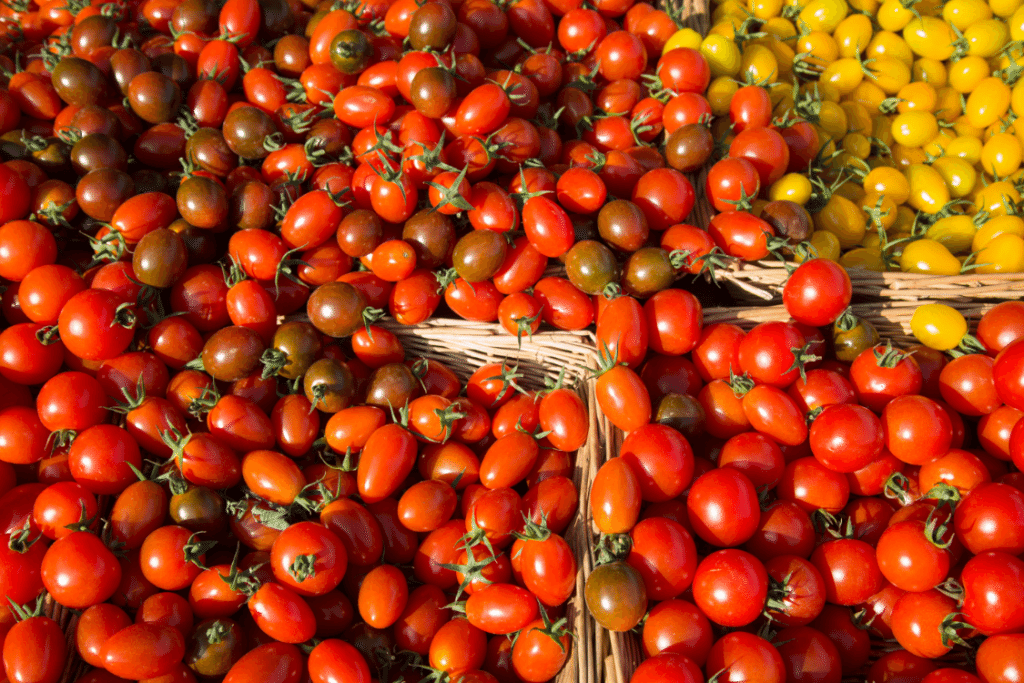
(661, 459)
(968, 385)
(423, 616)
(772, 353)
(707, 512)
(458, 646)
(96, 324)
(386, 460)
(333, 660)
(807, 654)
(745, 656)
(817, 292)
(308, 558)
(849, 569)
(79, 571)
(616, 596)
(34, 650)
(741, 234)
(143, 650)
(615, 497)
(989, 517)
(539, 652)
(622, 396)
(282, 614)
(548, 568)
(383, 594)
(882, 373)
(846, 437)
(271, 662)
(664, 554)
(730, 587)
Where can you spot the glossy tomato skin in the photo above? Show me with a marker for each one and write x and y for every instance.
(722, 507)
(768, 353)
(664, 554)
(987, 578)
(817, 292)
(661, 458)
(272, 662)
(730, 587)
(34, 650)
(1008, 372)
(846, 437)
(746, 657)
(79, 571)
(143, 651)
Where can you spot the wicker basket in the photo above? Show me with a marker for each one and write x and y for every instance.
(762, 281)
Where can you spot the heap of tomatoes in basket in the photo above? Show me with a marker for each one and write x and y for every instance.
(319, 536)
(805, 502)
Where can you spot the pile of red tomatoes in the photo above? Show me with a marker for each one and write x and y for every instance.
(810, 503)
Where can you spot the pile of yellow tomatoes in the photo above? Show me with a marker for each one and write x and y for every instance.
(915, 105)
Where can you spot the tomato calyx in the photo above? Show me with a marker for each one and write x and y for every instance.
(612, 548)
(450, 194)
(553, 630)
(21, 540)
(288, 267)
(109, 248)
(303, 567)
(509, 374)
(446, 417)
(61, 438)
(745, 201)
(897, 487)
(533, 531)
(846, 321)
(25, 612)
(472, 571)
(48, 335)
(951, 588)
(85, 522)
(475, 536)
(888, 356)
(242, 581)
(740, 384)
(525, 324)
(836, 526)
(951, 626)
(194, 549)
(968, 345)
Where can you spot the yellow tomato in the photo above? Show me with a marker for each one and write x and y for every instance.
(929, 37)
(853, 35)
(893, 15)
(889, 44)
(823, 15)
(954, 232)
(758, 64)
(783, 56)
(1001, 155)
(931, 71)
(904, 157)
(818, 49)
(996, 198)
(779, 27)
(928, 256)
(880, 210)
(1017, 98)
(722, 55)
(936, 147)
(963, 13)
(795, 187)
(858, 118)
(824, 244)
(844, 74)
(867, 94)
(916, 95)
(832, 120)
(844, 219)
(1003, 254)
(965, 147)
(764, 9)
(994, 227)
(966, 74)
(1016, 23)
(928, 192)
(720, 92)
(988, 101)
(914, 128)
(1004, 8)
(864, 257)
(888, 182)
(684, 37)
(948, 106)
(986, 37)
(958, 174)
(938, 326)
(868, 7)
(889, 74)
(963, 127)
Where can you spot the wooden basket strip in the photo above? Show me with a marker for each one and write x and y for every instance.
(764, 280)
